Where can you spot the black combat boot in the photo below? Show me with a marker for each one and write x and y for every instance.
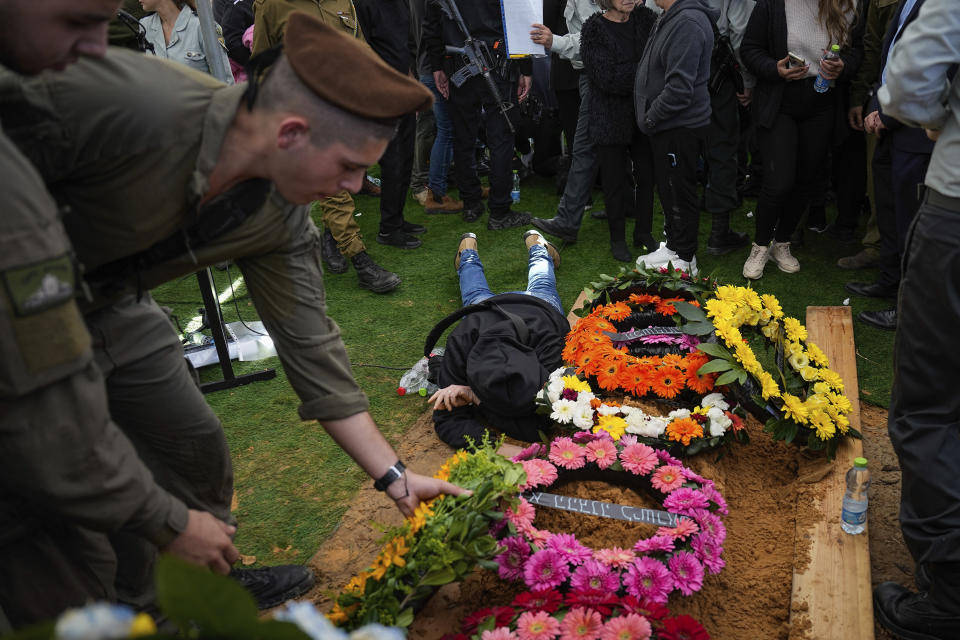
(372, 276)
(332, 257)
(272, 586)
(929, 615)
(722, 238)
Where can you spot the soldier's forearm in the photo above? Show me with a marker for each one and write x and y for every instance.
(359, 436)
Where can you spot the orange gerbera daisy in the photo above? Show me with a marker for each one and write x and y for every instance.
(617, 311)
(665, 308)
(672, 360)
(683, 430)
(700, 384)
(609, 375)
(636, 380)
(667, 382)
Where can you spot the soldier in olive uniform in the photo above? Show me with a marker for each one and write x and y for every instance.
(341, 236)
(147, 205)
(68, 474)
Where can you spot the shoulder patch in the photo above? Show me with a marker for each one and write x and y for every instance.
(40, 286)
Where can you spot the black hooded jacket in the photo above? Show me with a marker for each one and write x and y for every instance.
(485, 353)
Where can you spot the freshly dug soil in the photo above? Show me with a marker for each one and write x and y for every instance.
(750, 598)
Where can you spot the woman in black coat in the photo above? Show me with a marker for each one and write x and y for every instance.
(611, 45)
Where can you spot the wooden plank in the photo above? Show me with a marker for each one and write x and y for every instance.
(831, 583)
(572, 317)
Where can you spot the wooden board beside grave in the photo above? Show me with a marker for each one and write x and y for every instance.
(831, 588)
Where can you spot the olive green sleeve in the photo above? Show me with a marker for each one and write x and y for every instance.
(287, 288)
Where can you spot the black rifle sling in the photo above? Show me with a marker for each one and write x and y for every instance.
(221, 215)
(487, 305)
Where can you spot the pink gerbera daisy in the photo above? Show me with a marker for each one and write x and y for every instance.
(654, 544)
(522, 515)
(530, 452)
(512, 559)
(500, 633)
(570, 548)
(685, 500)
(581, 624)
(595, 575)
(638, 458)
(667, 478)
(687, 572)
(545, 569)
(648, 578)
(628, 627)
(582, 437)
(708, 553)
(615, 557)
(666, 458)
(540, 473)
(538, 625)
(603, 452)
(714, 496)
(565, 453)
(684, 529)
(711, 524)
(628, 439)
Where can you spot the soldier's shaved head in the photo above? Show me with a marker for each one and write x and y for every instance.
(50, 34)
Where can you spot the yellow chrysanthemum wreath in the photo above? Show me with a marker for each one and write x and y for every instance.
(806, 393)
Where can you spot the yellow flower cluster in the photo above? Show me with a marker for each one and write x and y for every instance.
(394, 551)
(614, 425)
(825, 407)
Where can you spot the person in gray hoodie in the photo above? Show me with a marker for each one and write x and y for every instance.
(673, 108)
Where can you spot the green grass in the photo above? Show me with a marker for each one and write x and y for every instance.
(293, 483)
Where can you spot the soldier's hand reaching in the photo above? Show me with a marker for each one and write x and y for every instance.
(206, 541)
(412, 488)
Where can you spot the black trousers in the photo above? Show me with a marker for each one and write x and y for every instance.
(924, 418)
(793, 151)
(675, 156)
(723, 140)
(896, 174)
(469, 105)
(627, 171)
(396, 163)
(850, 178)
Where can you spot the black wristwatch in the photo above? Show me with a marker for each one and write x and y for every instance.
(392, 475)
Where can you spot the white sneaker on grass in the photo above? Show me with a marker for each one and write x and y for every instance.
(753, 267)
(658, 258)
(780, 253)
(683, 265)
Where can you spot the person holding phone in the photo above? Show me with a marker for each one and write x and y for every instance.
(783, 46)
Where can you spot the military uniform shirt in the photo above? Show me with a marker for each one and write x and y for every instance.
(270, 18)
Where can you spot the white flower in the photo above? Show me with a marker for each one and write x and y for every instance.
(719, 422)
(563, 411)
(554, 389)
(714, 400)
(585, 396)
(98, 621)
(679, 414)
(583, 418)
(557, 373)
(311, 621)
(627, 410)
(647, 426)
(635, 420)
(377, 632)
(608, 410)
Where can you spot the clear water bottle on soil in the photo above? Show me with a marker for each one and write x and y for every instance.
(853, 519)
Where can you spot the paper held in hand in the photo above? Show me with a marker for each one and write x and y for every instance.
(518, 18)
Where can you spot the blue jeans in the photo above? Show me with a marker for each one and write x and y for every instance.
(541, 281)
(442, 153)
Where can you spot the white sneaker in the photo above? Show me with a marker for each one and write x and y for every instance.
(753, 267)
(658, 258)
(780, 253)
(683, 265)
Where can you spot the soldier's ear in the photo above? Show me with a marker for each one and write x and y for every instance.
(293, 132)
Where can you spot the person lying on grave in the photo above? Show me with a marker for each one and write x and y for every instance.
(502, 351)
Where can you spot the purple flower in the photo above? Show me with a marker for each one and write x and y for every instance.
(530, 452)
(689, 342)
(512, 559)
(570, 394)
(595, 576)
(708, 553)
(710, 525)
(660, 339)
(569, 548)
(666, 458)
(685, 500)
(545, 569)
(687, 572)
(648, 578)
(690, 475)
(714, 496)
(654, 544)
(582, 437)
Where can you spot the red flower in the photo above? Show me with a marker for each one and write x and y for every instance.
(682, 628)
(548, 601)
(646, 608)
(597, 599)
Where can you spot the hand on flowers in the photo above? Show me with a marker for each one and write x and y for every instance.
(831, 69)
(789, 74)
(541, 34)
(453, 396)
(412, 488)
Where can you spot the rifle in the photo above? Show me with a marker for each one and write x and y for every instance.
(139, 32)
(479, 59)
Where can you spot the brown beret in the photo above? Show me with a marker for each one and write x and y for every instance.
(347, 73)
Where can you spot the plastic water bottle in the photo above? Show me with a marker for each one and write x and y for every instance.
(853, 519)
(414, 381)
(821, 84)
(515, 192)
